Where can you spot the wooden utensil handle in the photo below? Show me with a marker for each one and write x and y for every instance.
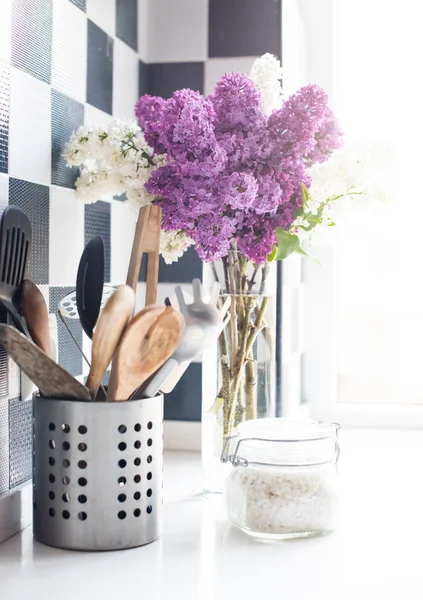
(155, 219)
(138, 247)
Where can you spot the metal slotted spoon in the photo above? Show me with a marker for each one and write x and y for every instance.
(68, 310)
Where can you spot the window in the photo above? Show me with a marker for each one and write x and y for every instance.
(363, 317)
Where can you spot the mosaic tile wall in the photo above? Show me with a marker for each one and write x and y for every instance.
(64, 63)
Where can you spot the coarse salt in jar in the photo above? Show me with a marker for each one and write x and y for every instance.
(285, 480)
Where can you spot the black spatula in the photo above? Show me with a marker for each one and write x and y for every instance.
(89, 284)
(15, 245)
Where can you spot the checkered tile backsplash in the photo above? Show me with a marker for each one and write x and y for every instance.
(64, 63)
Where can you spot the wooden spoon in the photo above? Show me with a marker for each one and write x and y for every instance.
(109, 329)
(149, 340)
(36, 314)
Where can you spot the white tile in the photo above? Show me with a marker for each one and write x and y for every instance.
(125, 80)
(5, 30)
(177, 31)
(96, 117)
(30, 128)
(69, 50)
(122, 234)
(216, 67)
(103, 14)
(86, 349)
(143, 29)
(4, 191)
(14, 378)
(66, 236)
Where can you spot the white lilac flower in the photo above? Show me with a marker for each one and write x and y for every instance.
(173, 244)
(116, 160)
(266, 73)
(355, 172)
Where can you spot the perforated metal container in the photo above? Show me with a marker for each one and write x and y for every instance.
(97, 473)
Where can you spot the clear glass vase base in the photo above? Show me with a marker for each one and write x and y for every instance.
(281, 537)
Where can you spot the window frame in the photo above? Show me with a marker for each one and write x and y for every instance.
(319, 389)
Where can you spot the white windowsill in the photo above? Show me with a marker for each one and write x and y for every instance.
(374, 554)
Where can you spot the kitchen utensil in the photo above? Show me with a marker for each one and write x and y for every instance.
(107, 334)
(68, 310)
(89, 284)
(149, 340)
(51, 379)
(204, 323)
(36, 315)
(15, 245)
(68, 303)
(146, 239)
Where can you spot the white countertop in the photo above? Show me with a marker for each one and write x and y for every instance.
(376, 553)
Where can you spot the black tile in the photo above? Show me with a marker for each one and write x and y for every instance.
(34, 200)
(4, 117)
(69, 356)
(99, 68)
(126, 22)
(184, 270)
(20, 441)
(66, 116)
(165, 78)
(80, 4)
(184, 403)
(31, 37)
(142, 78)
(97, 222)
(244, 27)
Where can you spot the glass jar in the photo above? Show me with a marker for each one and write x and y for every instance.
(284, 483)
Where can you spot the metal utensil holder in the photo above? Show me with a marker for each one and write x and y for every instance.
(97, 473)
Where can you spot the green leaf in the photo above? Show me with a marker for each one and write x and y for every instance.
(272, 255)
(216, 406)
(306, 195)
(287, 244)
(302, 252)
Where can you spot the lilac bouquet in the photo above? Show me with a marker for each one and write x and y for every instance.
(244, 175)
(236, 177)
(235, 181)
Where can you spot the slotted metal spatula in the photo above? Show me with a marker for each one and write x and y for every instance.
(15, 245)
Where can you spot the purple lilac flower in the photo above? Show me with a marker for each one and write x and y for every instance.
(212, 236)
(257, 238)
(269, 195)
(327, 139)
(231, 174)
(293, 127)
(237, 102)
(239, 190)
(149, 110)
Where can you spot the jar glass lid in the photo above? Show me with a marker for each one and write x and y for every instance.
(287, 430)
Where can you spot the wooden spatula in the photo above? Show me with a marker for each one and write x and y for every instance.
(109, 329)
(36, 314)
(50, 378)
(149, 340)
(146, 239)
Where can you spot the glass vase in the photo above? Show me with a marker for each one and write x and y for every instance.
(239, 380)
